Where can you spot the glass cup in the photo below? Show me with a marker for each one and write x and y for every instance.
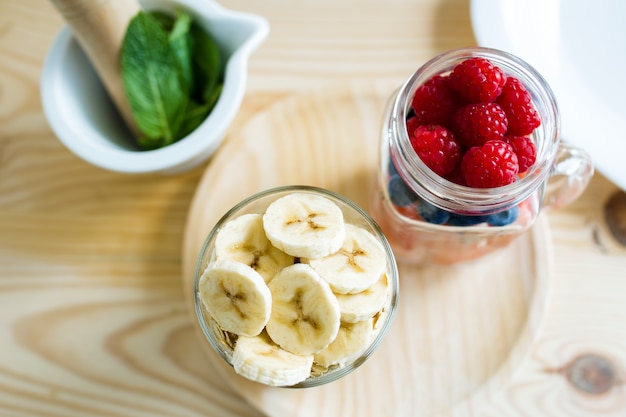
(224, 342)
(559, 175)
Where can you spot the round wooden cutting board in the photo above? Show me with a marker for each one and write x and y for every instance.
(460, 332)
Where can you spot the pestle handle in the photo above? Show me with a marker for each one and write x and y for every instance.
(99, 27)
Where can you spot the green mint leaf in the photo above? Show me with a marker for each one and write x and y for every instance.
(180, 42)
(207, 64)
(152, 81)
(148, 144)
(197, 112)
(194, 116)
(165, 19)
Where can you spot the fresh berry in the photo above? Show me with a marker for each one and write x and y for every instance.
(504, 217)
(477, 80)
(399, 193)
(434, 102)
(437, 148)
(493, 164)
(408, 212)
(475, 124)
(465, 220)
(432, 214)
(525, 149)
(517, 103)
(456, 176)
(411, 124)
(391, 168)
(453, 117)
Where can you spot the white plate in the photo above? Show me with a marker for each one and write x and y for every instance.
(579, 46)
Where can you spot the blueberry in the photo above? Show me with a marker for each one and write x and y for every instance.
(504, 217)
(399, 193)
(464, 220)
(432, 214)
(391, 169)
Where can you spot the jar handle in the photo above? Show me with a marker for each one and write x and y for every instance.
(570, 175)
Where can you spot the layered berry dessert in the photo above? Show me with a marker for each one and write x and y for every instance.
(474, 126)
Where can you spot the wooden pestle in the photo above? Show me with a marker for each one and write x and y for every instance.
(99, 27)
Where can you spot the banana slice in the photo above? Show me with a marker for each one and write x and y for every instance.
(243, 239)
(304, 225)
(365, 304)
(351, 341)
(379, 320)
(305, 313)
(356, 266)
(259, 359)
(236, 296)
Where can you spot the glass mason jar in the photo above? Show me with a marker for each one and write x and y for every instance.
(466, 223)
(224, 342)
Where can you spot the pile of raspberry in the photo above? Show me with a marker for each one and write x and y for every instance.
(474, 125)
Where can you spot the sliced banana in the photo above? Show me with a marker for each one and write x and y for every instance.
(236, 296)
(243, 239)
(365, 304)
(259, 359)
(305, 313)
(356, 266)
(351, 341)
(379, 320)
(305, 225)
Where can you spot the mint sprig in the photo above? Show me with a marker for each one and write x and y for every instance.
(172, 76)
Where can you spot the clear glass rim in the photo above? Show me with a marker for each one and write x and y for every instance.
(449, 195)
(393, 277)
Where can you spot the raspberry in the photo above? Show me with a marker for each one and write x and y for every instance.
(434, 102)
(477, 80)
(456, 176)
(408, 212)
(493, 164)
(437, 148)
(411, 124)
(516, 102)
(525, 149)
(475, 124)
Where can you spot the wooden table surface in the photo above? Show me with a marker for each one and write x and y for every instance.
(93, 316)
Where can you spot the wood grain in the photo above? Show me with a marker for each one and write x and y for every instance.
(93, 316)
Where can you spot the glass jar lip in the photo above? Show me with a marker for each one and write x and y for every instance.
(392, 276)
(451, 196)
